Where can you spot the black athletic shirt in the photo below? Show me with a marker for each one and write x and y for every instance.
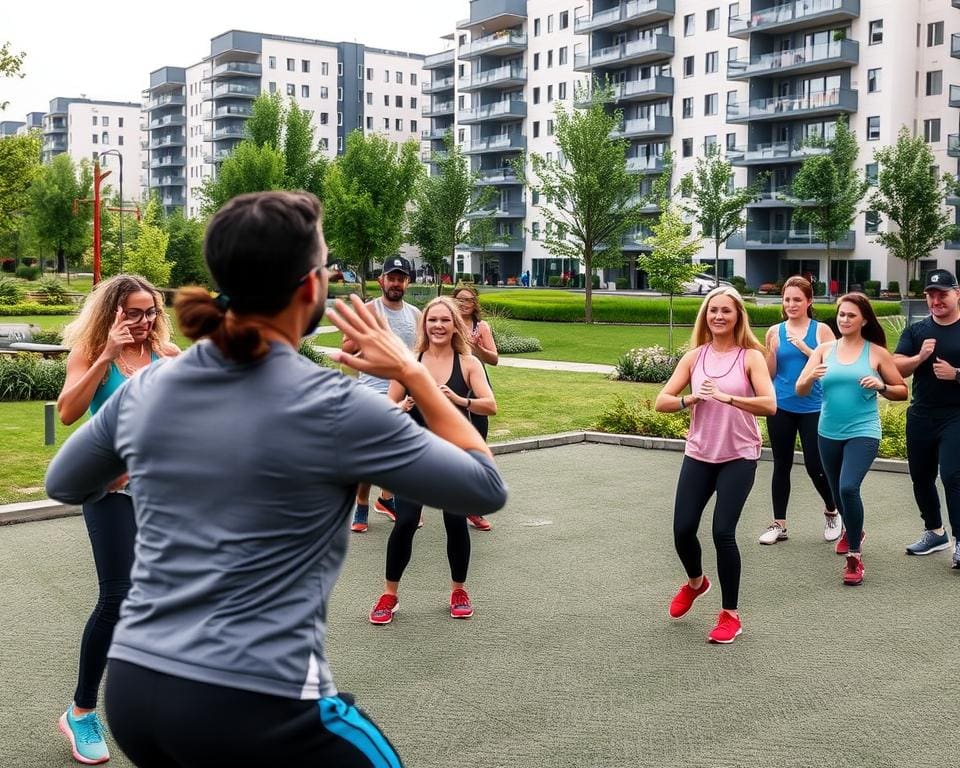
(933, 396)
(456, 382)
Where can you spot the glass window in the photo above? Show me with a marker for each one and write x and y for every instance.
(398, 77)
(550, 23)
(536, 95)
(709, 144)
(550, 127)
(931, 130)
(934, 34)
(871, 222)
(536, 61)
(876, 32)
(413, 126)
(105, 121)
(120, 122)
(687, 145)
(687, 107)
(272, 62)
(413, 78)
(688, 25)
(873, 128)
(324, 68)
(339, 93)
(935, 83)
(549, 59)
(712, 63)
(369, 73)
(873, 80)
(549, 93)
(291, 89)
(369, 98)
(386, 100)
(291, 65)
(688, 66)
(536, 128)
(536, 27)
(710, 104)
(94, 119)
(95, 139)
(398, 101)
(305, 67)
(120, 140)
(562, 56)
(324, 92)
(731, 141)
(713, 19)
(386, 123)
(272, 87)
(369, 123)
(304, 91)
(564, 19)
(399, 124)
(413, 102)
(870, 172)
(562, 90)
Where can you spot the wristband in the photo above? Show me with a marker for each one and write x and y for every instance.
(683, 405)
(468, 403)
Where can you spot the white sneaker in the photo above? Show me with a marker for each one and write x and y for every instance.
(832, 526)
(774, 533)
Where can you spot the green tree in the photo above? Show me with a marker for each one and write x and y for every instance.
(716, 203)
(827, 190)
(11, 65)
(444, 205)
(591, 199)
(148, 257)
(912, 198)
(249, 169)
(19, 167)
(185, 251)
(366, 192)
(52, 201)
(304, 165)
(669, 265)
(483, 232)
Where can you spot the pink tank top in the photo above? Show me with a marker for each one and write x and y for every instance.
(719, 432)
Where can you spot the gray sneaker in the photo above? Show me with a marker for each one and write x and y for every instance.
(928, 543)
(956, 554)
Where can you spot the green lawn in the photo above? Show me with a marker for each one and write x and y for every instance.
(580, 343)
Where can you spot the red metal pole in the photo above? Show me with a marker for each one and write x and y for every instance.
(97, 178)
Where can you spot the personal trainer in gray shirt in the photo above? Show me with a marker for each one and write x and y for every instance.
(243, 460)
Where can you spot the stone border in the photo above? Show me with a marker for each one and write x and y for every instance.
(31, 511)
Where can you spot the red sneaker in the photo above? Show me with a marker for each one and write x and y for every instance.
(843, 546)
(727, 629)
(853, 571)
(386, 507)
(383, 611)
(684, 598)
(359, 527)
(479, 522)
(460, 605)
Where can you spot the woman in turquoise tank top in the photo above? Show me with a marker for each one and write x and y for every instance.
(121, 329)
(852, 371)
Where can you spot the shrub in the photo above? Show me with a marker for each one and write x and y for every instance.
(27, 272)
(10, 291)
(41, 336)
(315, 355)
(648, 364)
(28, 376)
(28, 261)
(33, 308)
(553, 281)
(641, 419)
(819, 289)
(53, 291)
(893, 286)
(916, 287)
(508, 341)
(622, 283)
(8, 265)
(740, 283)
(893, 432)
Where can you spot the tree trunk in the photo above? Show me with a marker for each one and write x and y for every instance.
(829, 278)
(716, 264)
(61, 261)
(588, 289)
(670, 326)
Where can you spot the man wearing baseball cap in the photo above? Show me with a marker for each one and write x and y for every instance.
(403, 319)
(930, 351)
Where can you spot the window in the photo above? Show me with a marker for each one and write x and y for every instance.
(369, 98)
(536, 95)
(105, 138)
(871, 222)
(398, 77)
(339, 93)
(291, 65)
(324, 118)
(687, 145)
(873, 128)
(304, 91)
(731, 141)
(305, 67)
(461, 135)
(105, 121)
(549, 93)
(359, 95)
(713, 19)
(876, 32)
(688, 25)
(934, 34)
(386, 75)
(536, 128)
(734, 10)
(549, 59)
(562, 56)
(413, 126)
(94, 139)
(688, 66)
(536, 27)
(413, 78)
(413, 102)
(873, 80)
(398, 101)
(339, 143)
(870, 172)
(536, 61)
(535, 230)
(94, 119)
(272, 62)
(369, 73)
(120, 122)
(324, 92)
(709, 144)
(550, 127)
(339, 69)
(460, 102)
(935, 83)
(369, 123)
(324, 68)
(398, 123)
(386, 123)
(710, 104)
(535, 197)
(550, 23)
(386, 100)
(931, 130)
(562, 90)
(120, 140)
(564, 19)
(712, 63)
(687, 107)
(291, 89)
(272, 87)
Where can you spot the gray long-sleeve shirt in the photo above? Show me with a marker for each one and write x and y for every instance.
(243, 479)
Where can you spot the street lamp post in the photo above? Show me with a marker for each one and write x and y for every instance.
(120, 157)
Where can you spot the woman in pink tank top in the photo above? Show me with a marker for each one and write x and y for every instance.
(730, 386)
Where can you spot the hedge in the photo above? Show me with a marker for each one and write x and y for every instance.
(31, 377)
(33, 308)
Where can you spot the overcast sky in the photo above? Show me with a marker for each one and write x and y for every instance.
(107, 50)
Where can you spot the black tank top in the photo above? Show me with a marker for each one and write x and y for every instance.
(457, 384)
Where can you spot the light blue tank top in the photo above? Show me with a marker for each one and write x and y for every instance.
(849, 410)
(790, 362)
(115, 379)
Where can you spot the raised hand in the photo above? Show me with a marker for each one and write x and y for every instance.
(118, 336)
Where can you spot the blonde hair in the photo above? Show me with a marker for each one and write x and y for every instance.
(742, 335)
(459, 339)
(89, 332)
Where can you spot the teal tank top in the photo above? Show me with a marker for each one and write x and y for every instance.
(849, 410)
(115, 379)
(790, 362)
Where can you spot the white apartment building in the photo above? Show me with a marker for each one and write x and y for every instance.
(196, 114)
(755, 78)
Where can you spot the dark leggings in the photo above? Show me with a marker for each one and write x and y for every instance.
(783, 428)
(732, 481)
(933, 443)
(161, 721)
(112, 529)
(400, 543)
(846, 463)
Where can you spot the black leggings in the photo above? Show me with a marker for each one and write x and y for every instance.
(933, 443)
(783, 428)
(161, 721)
(400, 543)
(112, 529)
(732, 481)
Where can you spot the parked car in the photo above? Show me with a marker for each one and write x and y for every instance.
(704, 283)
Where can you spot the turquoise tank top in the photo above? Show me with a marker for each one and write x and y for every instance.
(115, 379)
(790, 362)
(849, 410)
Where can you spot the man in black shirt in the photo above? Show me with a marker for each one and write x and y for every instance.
(930, 351)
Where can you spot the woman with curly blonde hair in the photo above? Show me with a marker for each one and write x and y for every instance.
(443, 346)
(120, 330)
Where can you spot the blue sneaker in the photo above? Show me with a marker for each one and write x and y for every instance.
(928, 543)
(359, 524)
(87, 737)
(956, 553)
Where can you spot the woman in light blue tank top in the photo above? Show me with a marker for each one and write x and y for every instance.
(121, 329)
(789, 345)
(852, 371)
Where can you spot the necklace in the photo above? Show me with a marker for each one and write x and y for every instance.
(726, 372)
(126, 367)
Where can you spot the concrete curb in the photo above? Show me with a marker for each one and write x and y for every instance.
(33, 511)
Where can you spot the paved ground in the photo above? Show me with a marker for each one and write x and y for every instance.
(571, 661)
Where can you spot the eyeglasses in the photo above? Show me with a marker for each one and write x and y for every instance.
(314, 271)
(136, 315)
(465, 300)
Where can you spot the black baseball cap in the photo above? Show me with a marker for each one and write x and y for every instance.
(941, 279)
(397, 264)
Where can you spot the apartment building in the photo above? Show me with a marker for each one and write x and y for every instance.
(34, 122)
(196, 114)
(755, 78)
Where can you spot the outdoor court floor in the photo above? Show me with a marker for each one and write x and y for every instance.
(571, 659)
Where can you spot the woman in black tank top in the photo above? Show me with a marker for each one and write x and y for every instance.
(443, 348)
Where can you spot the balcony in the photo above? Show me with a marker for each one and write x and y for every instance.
(794, 15)
(55, 145)
(438, 60)
(434, 134)
(500, 77)
(514, 210)
(505, 43)
(222, 134)
(783, 239)
(657, 87)
(514, 142)
(651, 164)
(953, 145)
(175, 180)
(431, 156)
(168, 100)
(217, 157)
(501, 110)
(498, 176)
(953, 200)
(792, 107)
(436, 86)
(173, 200)
(232, 90)
(813, 58)
(635, 241)
(955, 3)
(504, 243)
(168, 161)
(778, 197)
(632, 52)
(437, 109)
(235, 68)
(168, 121)
(230, 110)
(775, 153)
(954, 100)
(656, 125)
(625, 15)
(167, 141)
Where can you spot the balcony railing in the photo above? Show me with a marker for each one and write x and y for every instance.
(168, 100)
(170, 181)
(431, 156)
(498, 176)
(515, 210)
(165, 161)
(222, 134)
(498, 111)
(633, 51)
(438, 109)
(786, 238)
(953, 145)
(167, 141)
(793, 15)
(172, 200)
(217, 157)
(811, 58)
(653, 125)
(434, 134)
(659, 86)
(776, 152)
(955, 45)
(651, 164)
(778, 107)
(235, 68)
(435, 60)
(166, 121)
(230, 110)
(433, 86)
(505, 243)
(510, 75)
(506, 41)
(241, 90)
(633, 11)
(514, 142)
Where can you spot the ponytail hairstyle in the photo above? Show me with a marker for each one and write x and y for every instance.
(258, 247)
(797, 281)
(872, 331)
